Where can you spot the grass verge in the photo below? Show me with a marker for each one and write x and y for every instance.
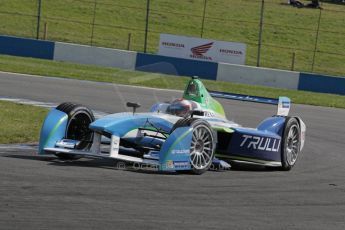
(20, 123)
(113, 75)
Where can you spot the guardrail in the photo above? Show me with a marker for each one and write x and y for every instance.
(168, 65)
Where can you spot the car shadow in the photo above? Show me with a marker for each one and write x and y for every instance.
(252, 168)
(53, 160)
(91, 163)
(30, 157)
(125, 166)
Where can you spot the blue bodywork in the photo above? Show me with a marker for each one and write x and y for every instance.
(175, 150)
(121, 123)
(263, 143)
(273, 124)
(174, 154)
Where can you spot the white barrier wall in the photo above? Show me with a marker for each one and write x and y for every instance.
(95, 55)
(258, 76)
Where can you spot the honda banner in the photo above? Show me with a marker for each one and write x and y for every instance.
(202, 49)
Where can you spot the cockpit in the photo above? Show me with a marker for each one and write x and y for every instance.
(181, 107)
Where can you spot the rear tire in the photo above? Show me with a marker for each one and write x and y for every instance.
(203, 144)
(291, 143)
(79, 119)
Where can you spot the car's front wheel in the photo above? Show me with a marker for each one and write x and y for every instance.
(79, 119)
(203, 144)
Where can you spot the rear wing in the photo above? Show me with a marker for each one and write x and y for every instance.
(283, 103)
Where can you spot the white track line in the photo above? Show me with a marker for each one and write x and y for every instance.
(97, 114)
(18, 146)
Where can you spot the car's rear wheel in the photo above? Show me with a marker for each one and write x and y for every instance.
(79, 119)
(202, 146)
(290, 143)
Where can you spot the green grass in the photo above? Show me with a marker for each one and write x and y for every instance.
(20, 123)
(286, 29)
(101, 74)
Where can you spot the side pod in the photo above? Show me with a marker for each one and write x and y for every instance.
(258, 146)
(53, 130)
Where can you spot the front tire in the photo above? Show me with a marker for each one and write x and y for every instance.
(79, 119)
(202, 146)
(290, 143)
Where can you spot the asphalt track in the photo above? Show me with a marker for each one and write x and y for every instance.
(44, 193)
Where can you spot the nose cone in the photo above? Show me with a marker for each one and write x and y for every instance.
(121, 123)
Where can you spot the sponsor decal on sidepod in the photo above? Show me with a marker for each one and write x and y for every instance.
(180, 151)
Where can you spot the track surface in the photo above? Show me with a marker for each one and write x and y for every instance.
(45, 193)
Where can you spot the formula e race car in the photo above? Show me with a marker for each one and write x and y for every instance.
(188, 134)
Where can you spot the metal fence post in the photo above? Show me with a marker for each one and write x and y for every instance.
(147, 23)
(316, 41)
(203, 19)
(39, 8)
(129, 41)
(260, 33)
(93, 21)
(293, 61)
(45, 33)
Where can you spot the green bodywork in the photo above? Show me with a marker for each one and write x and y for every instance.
(196, 91)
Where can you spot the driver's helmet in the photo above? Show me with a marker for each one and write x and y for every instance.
(180, 107)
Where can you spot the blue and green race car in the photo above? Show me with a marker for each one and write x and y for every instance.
(188, 134)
